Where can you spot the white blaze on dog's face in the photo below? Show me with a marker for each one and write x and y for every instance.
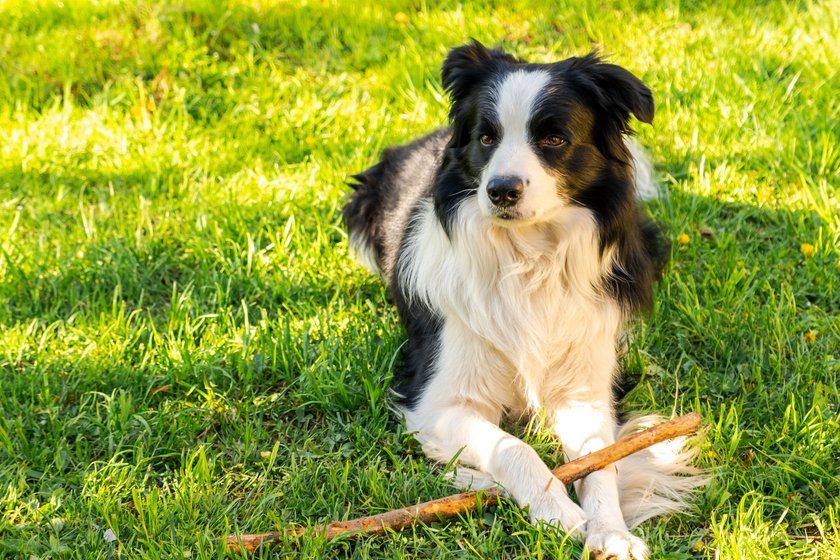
(515, 186)
(531, 139)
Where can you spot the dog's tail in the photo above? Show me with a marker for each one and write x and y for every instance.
(646, 186)
(659, 479)
(362, 216)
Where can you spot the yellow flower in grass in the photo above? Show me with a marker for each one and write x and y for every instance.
(810, 336)
(683, 239)
(807, 249)
(401, 18)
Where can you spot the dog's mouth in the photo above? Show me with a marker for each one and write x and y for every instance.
(511, 216)
(506, 214)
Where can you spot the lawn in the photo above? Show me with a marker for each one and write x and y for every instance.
(187, 349)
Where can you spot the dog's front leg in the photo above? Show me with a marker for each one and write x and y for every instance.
(458, 414)
(584, 426)
(462, 430)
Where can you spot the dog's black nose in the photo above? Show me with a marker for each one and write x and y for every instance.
(505, 191)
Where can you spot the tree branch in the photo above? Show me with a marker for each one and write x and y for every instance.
(466, 502)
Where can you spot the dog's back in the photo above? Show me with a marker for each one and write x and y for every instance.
(378, 211)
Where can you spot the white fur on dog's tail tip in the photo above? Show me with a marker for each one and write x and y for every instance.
(659, 479)
(362, 248)
(646, 187)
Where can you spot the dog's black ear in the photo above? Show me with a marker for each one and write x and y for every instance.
(624, 91)
(614, 94)
(465, 69)
(612, 88)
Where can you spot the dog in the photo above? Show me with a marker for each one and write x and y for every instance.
(514, 247)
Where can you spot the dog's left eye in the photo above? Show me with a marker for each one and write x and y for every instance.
(553, 140)
(486, 139)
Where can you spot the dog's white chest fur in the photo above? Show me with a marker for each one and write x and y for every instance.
(526, 301)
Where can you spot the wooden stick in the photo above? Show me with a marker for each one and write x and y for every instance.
(466, 502)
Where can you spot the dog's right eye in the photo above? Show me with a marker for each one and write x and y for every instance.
(553, 141)
(486, 140)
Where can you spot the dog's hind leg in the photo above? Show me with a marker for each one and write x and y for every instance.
(584, 425)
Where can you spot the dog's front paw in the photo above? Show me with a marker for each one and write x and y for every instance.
(614, 544)
(556, 508)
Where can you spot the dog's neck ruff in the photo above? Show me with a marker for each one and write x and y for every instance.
(531, 293)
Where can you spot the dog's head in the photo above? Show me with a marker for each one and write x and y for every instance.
(534, 138)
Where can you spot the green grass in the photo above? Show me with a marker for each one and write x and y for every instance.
(187, 349)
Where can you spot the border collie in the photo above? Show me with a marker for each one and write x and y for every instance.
(515, 251)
